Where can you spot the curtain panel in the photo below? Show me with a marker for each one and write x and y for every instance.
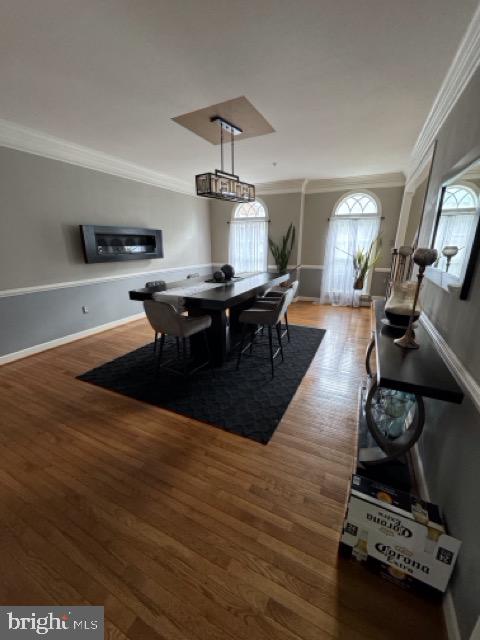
(345, 237)
(248, 245)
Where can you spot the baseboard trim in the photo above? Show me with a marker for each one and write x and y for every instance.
(448, 606)
(51, 344)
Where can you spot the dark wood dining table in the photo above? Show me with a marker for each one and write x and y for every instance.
(234, 296)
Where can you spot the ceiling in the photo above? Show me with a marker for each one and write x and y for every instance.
(346, 84)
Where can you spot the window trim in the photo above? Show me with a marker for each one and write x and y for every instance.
(264, 218)
(470, 186)
(357, 216)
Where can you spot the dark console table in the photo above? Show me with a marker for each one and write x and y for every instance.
(235, 296)
(403, 377)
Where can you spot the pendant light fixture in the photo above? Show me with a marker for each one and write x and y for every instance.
(223, 185)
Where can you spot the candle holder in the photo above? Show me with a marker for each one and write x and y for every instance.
(449, 252)
(423, 258)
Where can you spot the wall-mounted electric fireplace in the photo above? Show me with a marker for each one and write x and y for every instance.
(112, 244)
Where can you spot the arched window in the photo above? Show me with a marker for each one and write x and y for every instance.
(250, 210)
(456, 227)
(354, 226)
(460, 198)
(357, 204)
(248, 241)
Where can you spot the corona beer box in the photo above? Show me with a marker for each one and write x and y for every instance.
(398, 536)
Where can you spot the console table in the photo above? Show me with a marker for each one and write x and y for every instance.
(421, 373)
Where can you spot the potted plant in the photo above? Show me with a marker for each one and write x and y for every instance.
(282, 251)
(363, 262)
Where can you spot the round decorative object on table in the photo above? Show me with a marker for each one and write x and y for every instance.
(219, 276)
(423, 257)
(229, 271)
(398, 307)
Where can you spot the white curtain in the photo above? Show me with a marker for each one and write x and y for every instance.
(248, 245)
(455, 230)
(345, 238)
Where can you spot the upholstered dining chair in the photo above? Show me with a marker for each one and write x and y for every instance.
(158, 286)
(264, 313)
(290, 292)
(166, 320)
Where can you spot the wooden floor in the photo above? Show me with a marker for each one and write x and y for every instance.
(181, 530)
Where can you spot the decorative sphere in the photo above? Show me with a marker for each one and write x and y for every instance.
(219, 276)
(405, 251)
(229, 271)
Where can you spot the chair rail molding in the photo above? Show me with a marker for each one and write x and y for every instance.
(15, 136)
(458, 369)
(461, 70)
(7, 293)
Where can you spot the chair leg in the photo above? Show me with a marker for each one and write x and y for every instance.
(160, 351)
(279, 336)
(155, 343)
(178, 346)
(185, 358)
(242, 342)
(252, 338)
(270, 341)
(286, 324)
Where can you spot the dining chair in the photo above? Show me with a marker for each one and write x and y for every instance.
(291, 292)
(264, 313)
(165, 320)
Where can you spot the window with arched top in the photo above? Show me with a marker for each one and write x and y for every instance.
(254, 209)
(248, 240)
(357, 204)
(456, 228)
(354, 227)
(459, 197)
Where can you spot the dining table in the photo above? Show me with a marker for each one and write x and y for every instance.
(222, 301)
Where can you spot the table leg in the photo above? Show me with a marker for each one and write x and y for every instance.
(217, 337)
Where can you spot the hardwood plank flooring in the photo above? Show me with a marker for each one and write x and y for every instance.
(183, 531)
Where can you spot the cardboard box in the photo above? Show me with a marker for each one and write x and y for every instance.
(398, 536)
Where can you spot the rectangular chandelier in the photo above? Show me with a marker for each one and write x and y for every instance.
(221, 184)
(224, 186)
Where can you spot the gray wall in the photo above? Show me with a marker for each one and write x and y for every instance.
(318, 208)
(282, 210)
(450, 447)
(285, 208)
(42, 202)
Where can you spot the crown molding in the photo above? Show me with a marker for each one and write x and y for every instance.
(472, 174)
(461, 70)
(21, 138)
(280, 186)
(325, 185)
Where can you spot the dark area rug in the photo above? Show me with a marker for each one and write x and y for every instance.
(247, 402)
